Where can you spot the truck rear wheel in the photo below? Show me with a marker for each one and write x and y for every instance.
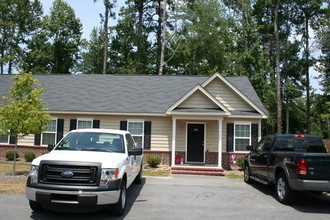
(119, 207)
(247, 174)
(284, 193)
(36, 207)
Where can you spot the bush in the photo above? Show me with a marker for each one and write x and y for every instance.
(10, 155)
(153, 160)
(29, 156)
(240, 161)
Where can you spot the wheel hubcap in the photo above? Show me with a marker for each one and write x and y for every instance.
(281, 188)
(246, 174)
(123, 197)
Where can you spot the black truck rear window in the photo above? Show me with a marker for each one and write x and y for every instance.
(300, 144)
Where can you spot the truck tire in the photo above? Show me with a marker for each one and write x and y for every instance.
(247, 175)
(36, 207)
(119, 207)
(284, 193)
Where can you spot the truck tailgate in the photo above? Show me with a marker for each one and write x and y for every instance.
(318, 166)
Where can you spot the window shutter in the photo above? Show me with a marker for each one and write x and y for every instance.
(230, 137)
(96, 123)
(12, 140)
(73, 124)
(60, 128)
(123, 125)
(37, 139)
(147, 135)
(254, 134)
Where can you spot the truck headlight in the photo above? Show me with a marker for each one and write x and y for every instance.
(33, 175)
(107, 175)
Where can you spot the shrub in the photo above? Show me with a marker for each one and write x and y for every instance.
(29, 156)
(240, 161)
(153, 160)
(10, 155)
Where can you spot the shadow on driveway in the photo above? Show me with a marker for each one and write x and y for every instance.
(305, 202)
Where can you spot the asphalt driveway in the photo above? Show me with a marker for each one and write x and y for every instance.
(189, 197)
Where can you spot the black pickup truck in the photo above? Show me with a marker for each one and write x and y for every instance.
(293, 162)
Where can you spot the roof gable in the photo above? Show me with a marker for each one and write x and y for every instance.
(230, 96)
(198, 99)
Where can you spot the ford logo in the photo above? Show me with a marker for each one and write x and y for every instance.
(67, 174)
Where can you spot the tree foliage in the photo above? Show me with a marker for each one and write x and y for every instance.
(19, 22)
(23, 112)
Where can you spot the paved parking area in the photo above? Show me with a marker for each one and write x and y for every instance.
(190, 197)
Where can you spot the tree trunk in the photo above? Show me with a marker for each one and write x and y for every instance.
(163, 39)
(140, 53)
(308, 110)
(278, 74)
(106, 36)
(15, 150)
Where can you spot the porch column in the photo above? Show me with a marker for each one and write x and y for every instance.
(259, 131)
(173, 141)
(220, 142)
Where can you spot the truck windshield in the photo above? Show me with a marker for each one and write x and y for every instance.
(92, 141)
(300, 144)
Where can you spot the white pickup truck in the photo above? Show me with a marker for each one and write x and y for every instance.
(87, 170)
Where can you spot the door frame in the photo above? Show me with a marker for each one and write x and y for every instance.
(186, 148)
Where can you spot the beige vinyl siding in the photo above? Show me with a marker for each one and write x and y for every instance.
(227, 96)
(198, 100)
(26, 141)
(211, 139)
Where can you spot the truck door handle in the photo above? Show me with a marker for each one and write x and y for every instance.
(252, 160)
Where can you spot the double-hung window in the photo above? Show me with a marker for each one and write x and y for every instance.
(136, 128)
(242, 136)
(49, 136)
(84, 124)
(4, 139)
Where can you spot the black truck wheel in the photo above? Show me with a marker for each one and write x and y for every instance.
(36, 207)
(119, 207)
(247, 174)
(284, 193)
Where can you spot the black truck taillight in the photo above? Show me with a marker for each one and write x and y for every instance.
(301, 167)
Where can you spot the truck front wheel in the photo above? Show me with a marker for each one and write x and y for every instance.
(119, 207)
(36, 207)
(284, 193)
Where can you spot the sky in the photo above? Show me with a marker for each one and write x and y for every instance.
(87, 11)
(89, 14)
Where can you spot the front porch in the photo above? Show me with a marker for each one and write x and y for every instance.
(207, 169)
(210, 167)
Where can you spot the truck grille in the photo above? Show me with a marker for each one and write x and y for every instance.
(70, 173)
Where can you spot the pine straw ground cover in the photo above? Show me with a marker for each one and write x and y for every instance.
(10, 183)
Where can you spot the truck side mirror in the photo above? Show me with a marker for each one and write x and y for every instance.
(50, 147)
(249, 147)
(135, 151)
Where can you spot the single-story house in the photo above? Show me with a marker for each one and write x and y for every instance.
(188, 120)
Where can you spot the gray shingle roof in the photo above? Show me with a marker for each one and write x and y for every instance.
(121, 93)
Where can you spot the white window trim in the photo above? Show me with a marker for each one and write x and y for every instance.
(50, 132)
(250, 137)
(85, 119)
(133, 135)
